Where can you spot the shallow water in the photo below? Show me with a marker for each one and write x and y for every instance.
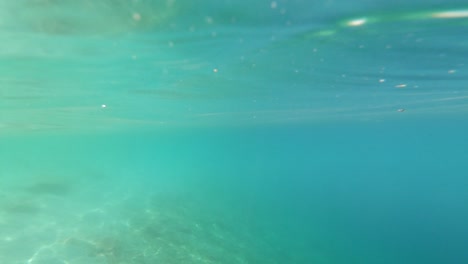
(233, 132)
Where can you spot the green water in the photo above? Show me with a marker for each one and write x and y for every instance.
(329, 193)
(233, 132)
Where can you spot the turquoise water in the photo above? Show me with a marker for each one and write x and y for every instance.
(233, 132)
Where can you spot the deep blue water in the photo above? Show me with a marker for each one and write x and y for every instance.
(233, 132)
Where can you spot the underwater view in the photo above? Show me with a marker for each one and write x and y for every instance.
(233, 132)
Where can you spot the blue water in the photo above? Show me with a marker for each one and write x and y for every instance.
(233, 132)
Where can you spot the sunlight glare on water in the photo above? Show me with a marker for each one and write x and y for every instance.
(171, 63)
